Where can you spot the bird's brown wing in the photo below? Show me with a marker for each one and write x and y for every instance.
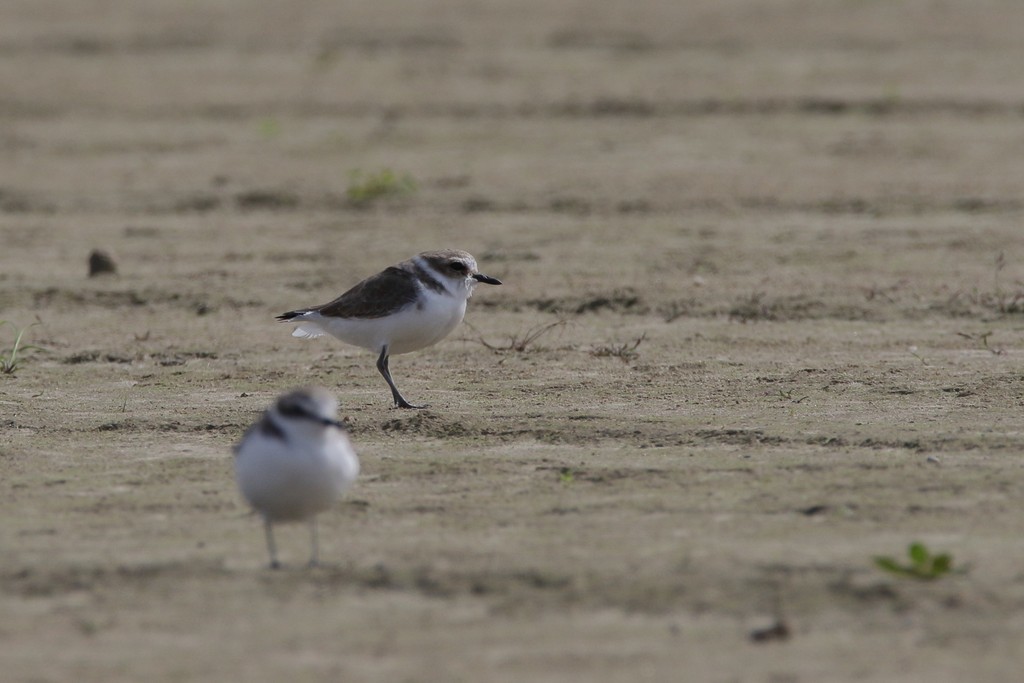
(386, 292)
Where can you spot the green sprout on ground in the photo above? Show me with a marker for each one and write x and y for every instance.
(923, 564)
(11, 358)
(565, 475)
(366, 188)
(270, 128)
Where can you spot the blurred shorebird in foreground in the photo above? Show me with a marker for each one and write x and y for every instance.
(295, 462)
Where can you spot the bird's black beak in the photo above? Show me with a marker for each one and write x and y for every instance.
(480, 277)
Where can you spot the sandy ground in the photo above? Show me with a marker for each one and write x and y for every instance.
(761, 322)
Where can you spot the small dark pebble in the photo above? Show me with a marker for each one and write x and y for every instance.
(777, 631)
(101, 263)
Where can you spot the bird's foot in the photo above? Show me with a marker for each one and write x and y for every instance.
(402, 403)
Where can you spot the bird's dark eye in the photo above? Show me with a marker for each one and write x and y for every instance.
(457, 266)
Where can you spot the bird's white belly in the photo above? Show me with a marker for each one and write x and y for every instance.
(413, 328)
(291, 485)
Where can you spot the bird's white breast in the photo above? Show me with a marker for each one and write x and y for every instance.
(296, 478)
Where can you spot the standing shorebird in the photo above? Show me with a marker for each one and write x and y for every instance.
(295, 463)
(404, 308)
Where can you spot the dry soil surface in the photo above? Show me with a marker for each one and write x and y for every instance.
(761, 323)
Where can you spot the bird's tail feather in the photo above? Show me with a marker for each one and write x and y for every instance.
(285, 317)
(307, 329)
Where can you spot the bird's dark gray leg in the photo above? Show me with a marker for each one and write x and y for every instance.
(271, 547)
(382, 367)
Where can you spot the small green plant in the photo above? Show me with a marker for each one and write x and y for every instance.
(11, 358)
(565, 475)
(923, 564)
(366, 188)
(270, 128)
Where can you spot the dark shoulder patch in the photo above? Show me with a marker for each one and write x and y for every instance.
(427, 279)
(375, 297)
(270, 429)
(265, 427)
